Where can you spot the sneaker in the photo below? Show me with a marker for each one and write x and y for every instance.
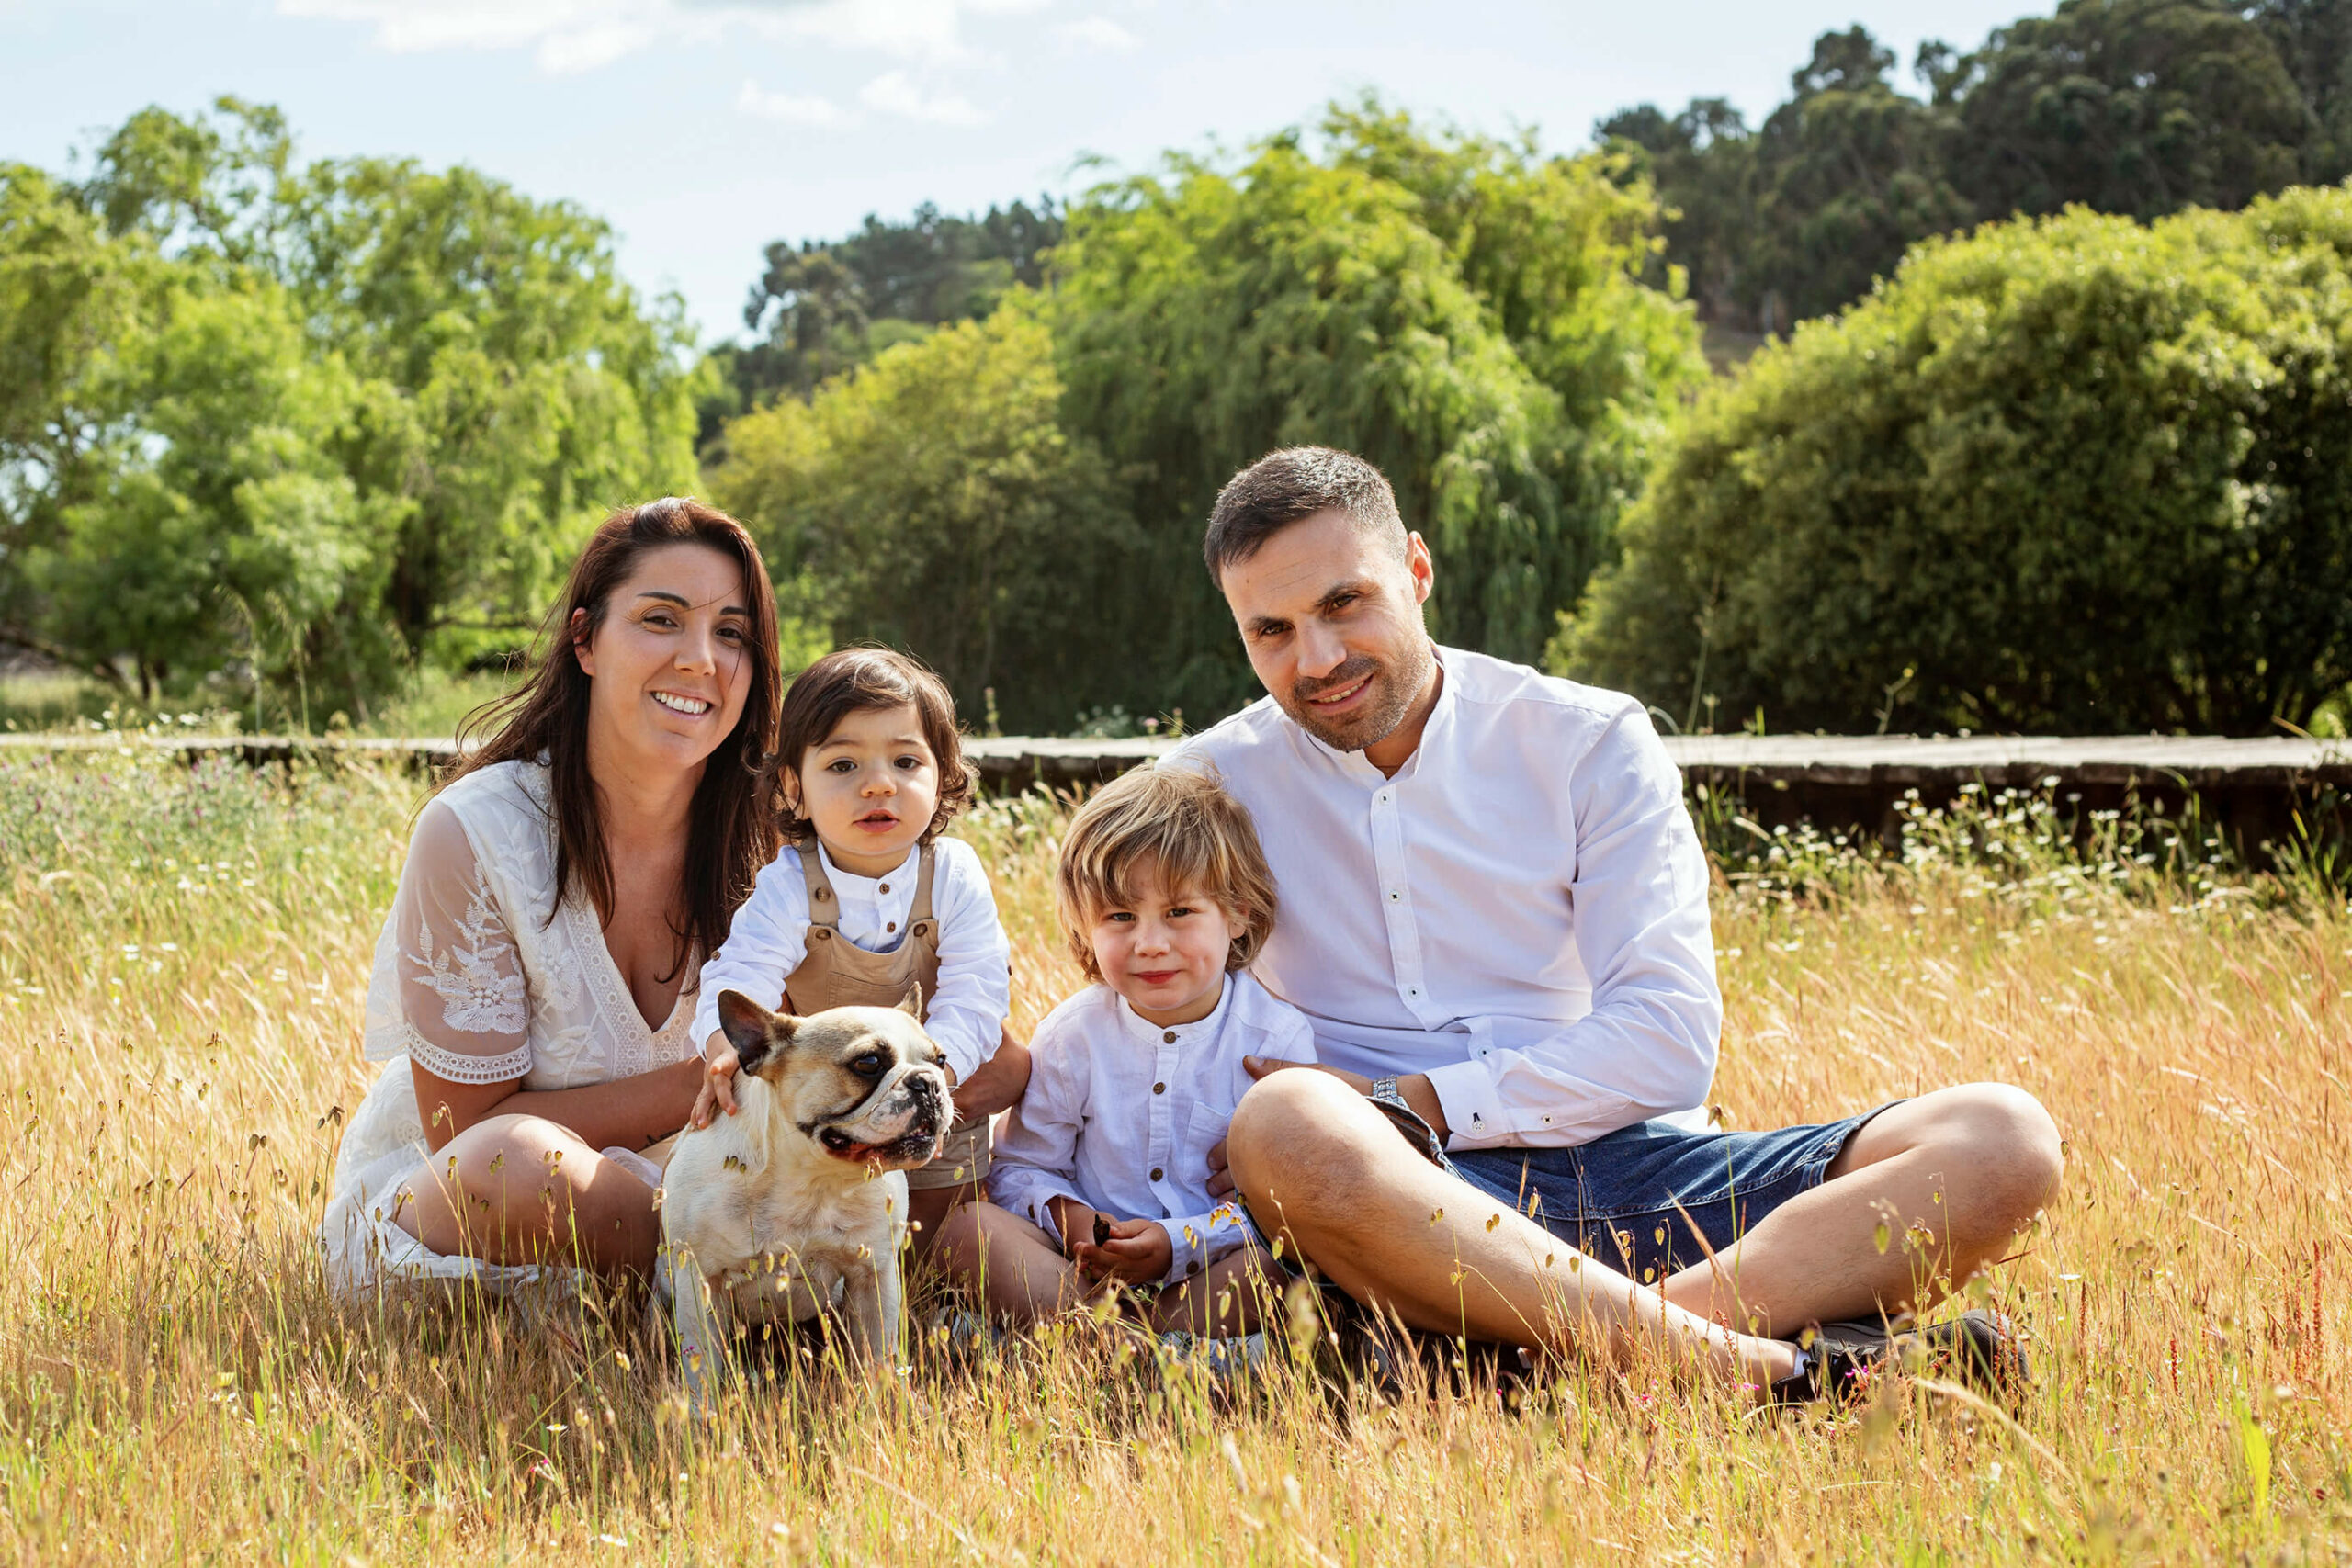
(1843, 1358)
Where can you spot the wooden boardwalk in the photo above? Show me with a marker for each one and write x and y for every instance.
(2257, 790)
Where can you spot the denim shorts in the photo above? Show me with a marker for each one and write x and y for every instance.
(1633, 1197)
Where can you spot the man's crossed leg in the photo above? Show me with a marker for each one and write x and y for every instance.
(1922, 1197)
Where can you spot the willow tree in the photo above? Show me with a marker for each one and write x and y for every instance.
(1465, 313)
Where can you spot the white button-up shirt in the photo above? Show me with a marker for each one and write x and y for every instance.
(1120, 1114)
(770, 937)
(1520, 913)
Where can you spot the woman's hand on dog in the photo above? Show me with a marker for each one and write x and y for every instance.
(718, 1092)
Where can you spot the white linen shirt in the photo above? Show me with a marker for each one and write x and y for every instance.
(1120, 1114)
(770, 937)
(1520, 913)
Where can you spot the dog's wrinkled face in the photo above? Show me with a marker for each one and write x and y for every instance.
(865, 1083)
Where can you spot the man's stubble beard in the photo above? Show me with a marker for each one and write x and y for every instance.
(1394, 688)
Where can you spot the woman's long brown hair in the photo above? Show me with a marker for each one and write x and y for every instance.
(734, 826)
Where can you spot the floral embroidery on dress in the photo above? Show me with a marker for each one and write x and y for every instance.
(476, 995)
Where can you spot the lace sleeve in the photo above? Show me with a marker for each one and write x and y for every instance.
(455, 973)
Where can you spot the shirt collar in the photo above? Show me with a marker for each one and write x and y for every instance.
(1143, 1031)
(867, 886)
(1435, 730)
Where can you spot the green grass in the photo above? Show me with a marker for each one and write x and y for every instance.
(183, 962)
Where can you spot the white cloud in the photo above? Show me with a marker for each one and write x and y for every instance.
(894, 92)
(580, 35)
(1097, 33)
(784, 106)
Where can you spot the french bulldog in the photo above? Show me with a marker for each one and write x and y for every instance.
(795, 1205)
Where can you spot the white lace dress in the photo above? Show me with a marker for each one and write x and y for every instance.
(475, 984)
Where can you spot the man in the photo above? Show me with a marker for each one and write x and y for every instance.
(1494, 907)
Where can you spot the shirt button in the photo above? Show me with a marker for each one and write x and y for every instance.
(1193, 1266)
(1168, 1038)
(1412, 990)
(1158, 1088)
(890, 925)
(885, 887)
(1394, 895)
(1156, 1171)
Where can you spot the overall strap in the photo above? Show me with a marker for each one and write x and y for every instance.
(919, 916)
(824, 909)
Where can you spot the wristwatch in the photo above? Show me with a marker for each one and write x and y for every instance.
(1385, 1088)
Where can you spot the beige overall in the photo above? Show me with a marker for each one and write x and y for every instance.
(837, 973)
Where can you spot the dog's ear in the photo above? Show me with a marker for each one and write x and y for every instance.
(752, 1030)
(911, 1003)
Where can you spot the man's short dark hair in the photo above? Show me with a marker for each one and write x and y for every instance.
(1290, 486)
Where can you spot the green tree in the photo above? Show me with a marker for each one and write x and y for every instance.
(1464, 313)
(2071, 475)
(932, 500)
(1702, 161)
(828, 305)
(2139, 107)
(427, 387)
(1847, 178)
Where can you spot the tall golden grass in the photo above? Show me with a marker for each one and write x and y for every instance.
(183, 957)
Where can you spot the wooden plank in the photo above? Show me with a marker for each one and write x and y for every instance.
(2255, 789)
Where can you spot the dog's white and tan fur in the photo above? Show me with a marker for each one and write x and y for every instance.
(795, 1205)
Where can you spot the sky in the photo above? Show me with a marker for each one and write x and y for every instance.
(702, 130)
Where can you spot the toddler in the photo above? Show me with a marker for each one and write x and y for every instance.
(866, 904)
(1101, 1170)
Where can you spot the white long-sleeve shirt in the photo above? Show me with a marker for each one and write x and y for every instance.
(1520, 913)
(770, 937)
(1120, 1114)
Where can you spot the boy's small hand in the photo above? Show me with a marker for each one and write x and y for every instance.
(1077, 1224)
(1138, 1252)
(718, 1092)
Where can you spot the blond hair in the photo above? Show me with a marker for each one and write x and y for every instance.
(1185, 825)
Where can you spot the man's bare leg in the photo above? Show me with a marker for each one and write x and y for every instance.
(1925, 1195)
(1325, 1171)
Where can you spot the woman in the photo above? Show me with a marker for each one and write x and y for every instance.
(534, 985)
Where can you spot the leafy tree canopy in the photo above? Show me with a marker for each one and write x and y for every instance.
(2068, 475)
(933, 500)
(2139, 107)
(1464, 312)
(312, 421)
(825, 306)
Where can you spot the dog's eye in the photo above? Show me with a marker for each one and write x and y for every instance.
(868, 1065)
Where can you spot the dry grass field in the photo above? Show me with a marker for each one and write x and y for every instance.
(183, 956)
